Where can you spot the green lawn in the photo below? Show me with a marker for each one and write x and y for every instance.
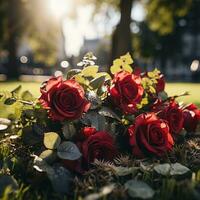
(171, 88)
(192, 88)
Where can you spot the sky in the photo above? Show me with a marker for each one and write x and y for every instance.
(85, 24)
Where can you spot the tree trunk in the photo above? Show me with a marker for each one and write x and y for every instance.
(13, 66)
(121, 39)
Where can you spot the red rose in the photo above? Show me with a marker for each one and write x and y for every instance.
(160, 85)
(172, 113)
(126, 91)
(88, 131)
(191, 117)
(150, 135)
(63, 99)
(98, 146)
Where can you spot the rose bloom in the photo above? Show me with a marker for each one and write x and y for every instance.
(160, 85)
(99, 145)
(150, 136)
(173, 114)
(191, 117)
(126, 91)
(64, 99)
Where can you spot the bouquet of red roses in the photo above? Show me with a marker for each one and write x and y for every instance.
(92, 115)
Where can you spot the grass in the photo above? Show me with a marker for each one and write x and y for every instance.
(171, 88)
(192, 88)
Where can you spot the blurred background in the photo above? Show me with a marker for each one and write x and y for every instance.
(40, 38)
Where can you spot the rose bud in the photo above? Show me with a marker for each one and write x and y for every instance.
(160, 85)
(191, 117)
(88, 131)
(65, 100)
(150, 136)
(126, 91)
(99, 146)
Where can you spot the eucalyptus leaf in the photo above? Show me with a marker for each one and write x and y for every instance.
(163, 169)
(96, 120)
(107, 112)
(124, 171)
(60, 178)
(163, 95)
(93, 99)
(5, 181)
(68, 151)
(5, 121)
(139, 189)
(41, 165)
(171, 169)
(48, 155)
(51, 140)
(3, 127)
(68, 130)
(178, 169)
(102, 193)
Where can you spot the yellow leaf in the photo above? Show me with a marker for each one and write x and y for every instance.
(80, 79)
(90, 71)
(107, 76)
(127, 59)
(150, 74)
(115, 68)
(122, 64)
(127, 68)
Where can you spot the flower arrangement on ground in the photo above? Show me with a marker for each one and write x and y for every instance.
(91, 116)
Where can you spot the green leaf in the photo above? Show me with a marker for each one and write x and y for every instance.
(16, 90)
(48, 155)
(107, 76)
(90, 71)
(97, 82)
(72, 73)
(51, 140)
(163, 95)
(107, 112)
(139, 189)
(68, 151)
(10, 101)
(27, 96)
(80, 79)
(68, 130)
